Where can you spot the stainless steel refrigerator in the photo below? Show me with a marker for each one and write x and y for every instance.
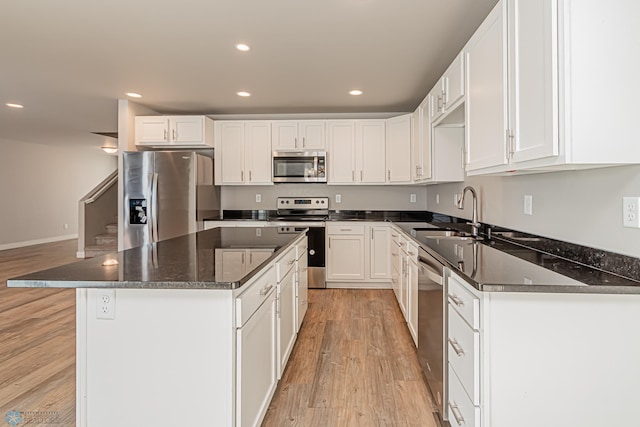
(167, 194)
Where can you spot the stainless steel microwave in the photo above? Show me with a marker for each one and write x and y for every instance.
(299, 166)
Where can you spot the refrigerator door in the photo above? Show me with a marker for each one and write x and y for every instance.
(173, 210)
(138, 183)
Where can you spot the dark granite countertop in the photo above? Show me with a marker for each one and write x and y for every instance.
(502, 265)
(334, 215)
(193, 261)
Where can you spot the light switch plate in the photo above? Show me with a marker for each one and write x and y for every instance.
(528, 205)
(338, 198)
(258, 198)
(412, 198)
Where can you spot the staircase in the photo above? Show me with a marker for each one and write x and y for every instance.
(104, 243)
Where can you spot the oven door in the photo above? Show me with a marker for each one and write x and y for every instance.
(294, 166)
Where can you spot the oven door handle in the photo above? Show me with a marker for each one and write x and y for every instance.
(431, 273)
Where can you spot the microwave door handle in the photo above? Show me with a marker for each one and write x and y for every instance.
(315, 166)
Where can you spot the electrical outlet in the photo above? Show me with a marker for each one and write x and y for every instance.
(258, 198)
(258, 232)
(437, 199)
(412, 198)
(528, 205)
(65, 226)
(106, 304)
(631, 212)
(338, 198)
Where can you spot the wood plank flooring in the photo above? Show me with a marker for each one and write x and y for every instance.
(354, 364)
(37, 339)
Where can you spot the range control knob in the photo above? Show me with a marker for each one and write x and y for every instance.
(312, 252)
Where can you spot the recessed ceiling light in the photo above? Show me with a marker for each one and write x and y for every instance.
(243, 47)
(9, 104)
(355, 92)
(133, 95)
(244, 94)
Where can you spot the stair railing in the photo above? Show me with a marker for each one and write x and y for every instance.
(96, 209)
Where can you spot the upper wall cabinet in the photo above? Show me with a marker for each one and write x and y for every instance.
(174, 131)
(356, 151)
(449, 92)
(532, 69)
(398, 149)
(298, 135)
(243, 153)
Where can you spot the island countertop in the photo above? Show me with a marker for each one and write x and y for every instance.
(193, 261)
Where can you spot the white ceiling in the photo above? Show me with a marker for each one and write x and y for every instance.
(68, 61)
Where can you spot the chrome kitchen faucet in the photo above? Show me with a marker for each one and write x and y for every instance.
(475, 225)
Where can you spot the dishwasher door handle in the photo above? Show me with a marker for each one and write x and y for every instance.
(434, 276)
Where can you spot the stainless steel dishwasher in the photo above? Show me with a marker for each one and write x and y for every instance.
(431, 327)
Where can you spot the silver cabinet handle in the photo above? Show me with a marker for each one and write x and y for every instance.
(242, 176)
(265, 290)
(173, 132)
(353, 175)
(456, 413)
(295, 142)
(457, 301)
(456, 347)
(389, 175)
(165, 134)
(249, 176)
(361, 178)
(304, 141)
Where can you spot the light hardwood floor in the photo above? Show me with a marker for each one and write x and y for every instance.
(37, 339)
(354, 364)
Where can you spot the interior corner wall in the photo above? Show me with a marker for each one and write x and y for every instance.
(40, 189)
(582, 206)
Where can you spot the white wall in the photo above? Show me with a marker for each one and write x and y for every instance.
(582, 207)
(353, 197)
(40, 187)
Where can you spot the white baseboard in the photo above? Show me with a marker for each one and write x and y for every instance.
(37, 242)
(358, 285)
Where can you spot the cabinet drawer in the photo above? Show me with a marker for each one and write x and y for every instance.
(250, 300)
(285, 263)
(464, 354)
(462, 412)
(346, 229)
(464, 302)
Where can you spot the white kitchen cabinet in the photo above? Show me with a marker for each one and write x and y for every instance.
(174, 131)
(256, 362)
(231, 264)
(532, 69)
(356, 150)
(286, 315)
(244, 153)
(345, 252)
(358, 254)
(298, 135)
(398, 149)
(449, 91)
(437, 149)
(341, 150)
(379, 244)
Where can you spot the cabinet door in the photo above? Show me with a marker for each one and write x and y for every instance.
(416, 145)
(287, 325)
(258, 153)
(370, 152)
(229, 264)
(412, 300)
(454, 83)
(380, 261)
(402, 284)
(533, 77)
(151, 130)
(486, 106)
(311, 135)
(398, 132)
(232, 152)
(437, 95)
(426, 137)
(256, 362)
(302, 283)
(257, 257)
(341, 151)
(187, 130)
(284, 135)
(345, 257)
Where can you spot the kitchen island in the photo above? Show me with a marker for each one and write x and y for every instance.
(194, 330)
